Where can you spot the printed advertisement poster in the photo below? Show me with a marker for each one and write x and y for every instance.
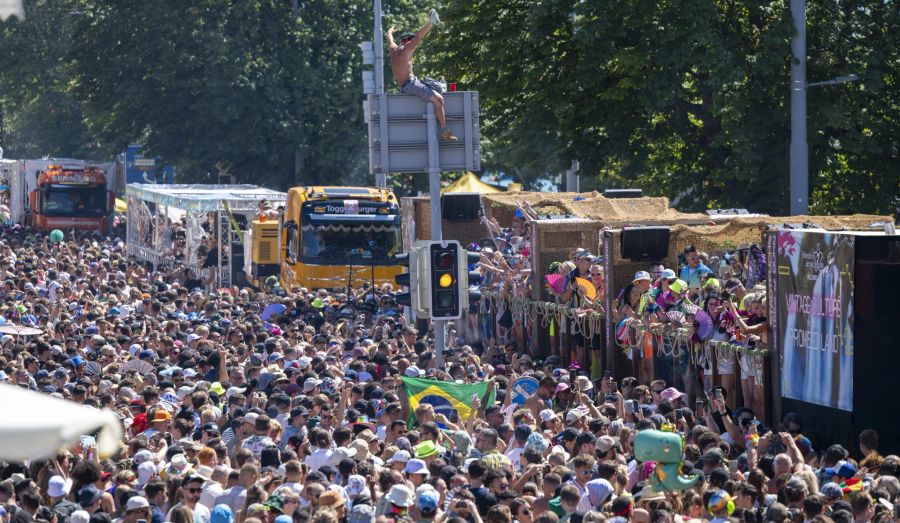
(815, 311)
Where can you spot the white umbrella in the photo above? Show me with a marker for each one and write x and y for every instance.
(35, 425)
(20, 330)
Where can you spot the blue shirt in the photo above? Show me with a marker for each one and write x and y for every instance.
(157, 515)
(692, 276)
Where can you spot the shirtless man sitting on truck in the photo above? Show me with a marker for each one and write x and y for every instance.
(401, 65)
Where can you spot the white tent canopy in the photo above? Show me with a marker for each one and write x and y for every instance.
(36, 425)
(205, 197)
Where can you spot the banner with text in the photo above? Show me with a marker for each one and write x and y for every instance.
(814, 292)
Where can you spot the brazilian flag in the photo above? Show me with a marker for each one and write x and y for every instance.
(450, 399)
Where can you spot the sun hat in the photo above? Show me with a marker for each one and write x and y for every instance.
(401, 495)
(678, 286)
(416, 466)
(88, 495)
(58, 487)
(651, 494)
(641, 276)
(356, 485)
(361, 448)
(425, 449)
(671, 394)
(537, 442)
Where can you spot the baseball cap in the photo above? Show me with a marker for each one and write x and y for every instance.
(641, 276)
(719, 476)
(667, 274)
(136, 503)
(842, 468)
(142, 456)
(428, 500)
(401, 456)
(604, 443)
(414, 372)
(310, 384)
(548, 415)
(831, 490)
(720, 500)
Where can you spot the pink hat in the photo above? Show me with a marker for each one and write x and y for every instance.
(671, 394)
(562, 386)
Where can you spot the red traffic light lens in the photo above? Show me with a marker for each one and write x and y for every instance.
(444, 260)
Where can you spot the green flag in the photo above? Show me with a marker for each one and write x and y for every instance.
(450, 399)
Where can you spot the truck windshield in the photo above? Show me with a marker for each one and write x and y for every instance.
(70, 200)
(335, 244)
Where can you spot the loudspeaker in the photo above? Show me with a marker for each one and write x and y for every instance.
(238, 277)
(460, 206)
(623, 193)
(645, 243)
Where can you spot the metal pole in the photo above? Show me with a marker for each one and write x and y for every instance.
(434, 186)
(298, 109)
(378, 47)
(799, 160)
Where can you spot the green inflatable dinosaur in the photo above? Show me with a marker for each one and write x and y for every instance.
(665, 449)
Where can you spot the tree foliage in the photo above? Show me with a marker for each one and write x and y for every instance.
(684, 98)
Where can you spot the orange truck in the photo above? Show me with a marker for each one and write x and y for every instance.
(63, 194)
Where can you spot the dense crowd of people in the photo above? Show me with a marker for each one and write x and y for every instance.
(251, 407)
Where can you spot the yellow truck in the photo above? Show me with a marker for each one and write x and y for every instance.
(328, 237)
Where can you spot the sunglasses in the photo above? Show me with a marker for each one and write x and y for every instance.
(195, 490)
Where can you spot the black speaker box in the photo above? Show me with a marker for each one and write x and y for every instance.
(460, 206)
(645, 243)
(238, 277)
(623, 193)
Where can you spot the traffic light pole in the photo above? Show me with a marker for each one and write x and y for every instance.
(434, 187)
(378, 41)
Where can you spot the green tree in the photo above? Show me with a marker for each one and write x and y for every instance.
(683, 98)
(242, 84)
(42, 116)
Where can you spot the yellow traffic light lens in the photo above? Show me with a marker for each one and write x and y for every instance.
(445, 280)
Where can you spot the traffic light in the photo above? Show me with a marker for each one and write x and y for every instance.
(407, 279)
(445, 280)
(415, 279)
(472, 278)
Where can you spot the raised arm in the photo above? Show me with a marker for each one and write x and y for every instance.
(420, 35)
(390, 37)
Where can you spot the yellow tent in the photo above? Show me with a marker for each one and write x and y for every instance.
(470, 183)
